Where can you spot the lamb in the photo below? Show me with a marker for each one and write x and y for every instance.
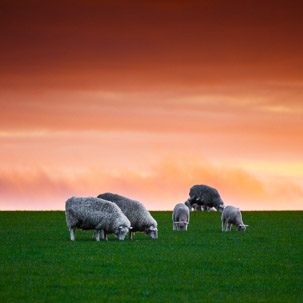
(141, 220)
(180, 217)
(232, 215)
(93, 213)
(206, 196)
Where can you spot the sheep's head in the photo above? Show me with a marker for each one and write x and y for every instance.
(220, 208)
(121, 232)
(241, 227)
(187, 203)
(182, 225)
(152, 231)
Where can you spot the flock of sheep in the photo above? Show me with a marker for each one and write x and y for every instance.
(114, 214)
(203, 197)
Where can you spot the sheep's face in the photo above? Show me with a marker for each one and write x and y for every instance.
(241, 227)
(220, 208)
(121, 232)
(152, 231)
(183, 225)
(187, 203)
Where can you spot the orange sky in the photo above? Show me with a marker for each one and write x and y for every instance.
(147, 98)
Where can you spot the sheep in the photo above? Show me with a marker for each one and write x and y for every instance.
(93, 213)
(232, 215)
(206, 196)
(141, 220)
(180, 217)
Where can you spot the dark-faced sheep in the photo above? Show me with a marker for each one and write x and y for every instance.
(205, 196)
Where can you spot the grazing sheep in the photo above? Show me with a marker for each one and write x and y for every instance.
(180, 217)
(139, 217)
(206, 196)
(93, 213)
(232, 215)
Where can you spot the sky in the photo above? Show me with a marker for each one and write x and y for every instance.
(148, 98)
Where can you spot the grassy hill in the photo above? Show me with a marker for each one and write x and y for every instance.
(39, 263)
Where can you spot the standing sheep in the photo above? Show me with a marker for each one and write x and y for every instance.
(139, 217)
(93, 213)
(232, 215)
(206, 196)
(180, 217)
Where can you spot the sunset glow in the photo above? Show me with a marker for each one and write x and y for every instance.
(148, 98)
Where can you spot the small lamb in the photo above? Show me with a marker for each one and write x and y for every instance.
(93, 213)
(140, 218)
(232, 215)
(180, 217)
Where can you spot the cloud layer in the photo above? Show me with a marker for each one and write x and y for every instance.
(160, 188)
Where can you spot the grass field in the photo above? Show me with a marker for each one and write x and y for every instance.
(38, 262)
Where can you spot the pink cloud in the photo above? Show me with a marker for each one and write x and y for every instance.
(159, 188)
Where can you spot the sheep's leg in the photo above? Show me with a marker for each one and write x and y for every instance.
(174, 226)
(223, 224)
(104, 235)
(97, 235)
(228, 228)
(72, 234)
(94, 234)
(130, 235)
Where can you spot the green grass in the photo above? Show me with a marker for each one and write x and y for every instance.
(38, 262)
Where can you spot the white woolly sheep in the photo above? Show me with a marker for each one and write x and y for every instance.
(180, 217)
(97, 214)
(232, 215)
(139, 217)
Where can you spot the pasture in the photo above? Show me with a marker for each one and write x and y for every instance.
(39, 263)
